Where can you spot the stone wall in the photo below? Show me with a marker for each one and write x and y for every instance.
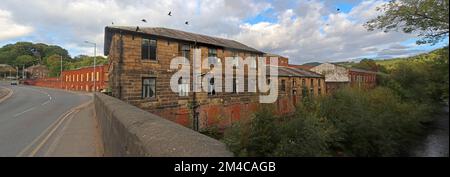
(129, 131)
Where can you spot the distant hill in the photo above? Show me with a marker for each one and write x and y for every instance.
(312, 64)
(389, 63)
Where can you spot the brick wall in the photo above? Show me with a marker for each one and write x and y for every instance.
(127, 70)
(83, 79)
(76, 80)
(365, 80)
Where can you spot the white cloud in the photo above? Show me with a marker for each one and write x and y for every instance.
(314, 34)
(304, 30)
(9, 29)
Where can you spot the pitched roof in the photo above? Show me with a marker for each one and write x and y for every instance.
(362, 71)
(179, 35)
(304, 67)
(294, 72)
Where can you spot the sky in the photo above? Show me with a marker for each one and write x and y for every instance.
(303, 30)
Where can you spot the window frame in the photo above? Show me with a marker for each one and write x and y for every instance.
(143, 94)
(149, 49)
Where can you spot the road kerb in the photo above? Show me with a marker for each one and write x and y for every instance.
(39, 141)
(8, 95)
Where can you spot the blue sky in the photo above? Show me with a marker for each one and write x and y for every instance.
(303, 30)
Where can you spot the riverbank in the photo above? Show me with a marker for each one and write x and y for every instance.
(436, 141)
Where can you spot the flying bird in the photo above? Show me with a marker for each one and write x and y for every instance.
(112, 23)
(144, 20)
(187, 23)
(338, 9)
(137, 28)
(170, 13)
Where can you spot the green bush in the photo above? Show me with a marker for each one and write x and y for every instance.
(373, 123)
(255, 138)
(352, 122)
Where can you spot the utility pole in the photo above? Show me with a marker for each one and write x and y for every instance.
(95, 58)
(60, 74)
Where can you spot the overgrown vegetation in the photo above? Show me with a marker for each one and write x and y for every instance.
(384, 121)
(352, 122)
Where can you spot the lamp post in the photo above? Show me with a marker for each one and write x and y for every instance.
(60, 74)
(95, 57)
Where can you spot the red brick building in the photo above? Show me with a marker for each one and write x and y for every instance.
(37, 72)
(140, 74)
(77, 80)
(83, 79)
(362, 78)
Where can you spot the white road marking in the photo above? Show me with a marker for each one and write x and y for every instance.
(23, 112)
(42, 104)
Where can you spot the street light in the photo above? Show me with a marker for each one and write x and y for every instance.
(95, 57)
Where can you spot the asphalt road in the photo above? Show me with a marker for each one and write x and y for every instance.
(29, 112)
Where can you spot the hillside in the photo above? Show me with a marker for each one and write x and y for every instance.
(390, 63)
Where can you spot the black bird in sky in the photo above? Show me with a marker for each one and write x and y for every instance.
(187, 23)
(338, 9)
(144, 20)
(137, 28)
(170, 13)
(112, 23)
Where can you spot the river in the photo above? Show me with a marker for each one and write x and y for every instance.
(436, 142)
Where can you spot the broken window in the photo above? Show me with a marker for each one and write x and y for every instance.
(148, 49)
(148, 87)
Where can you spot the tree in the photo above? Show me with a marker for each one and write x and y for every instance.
(26, 60)
(427, 17)
(54, 65)
(367, 64)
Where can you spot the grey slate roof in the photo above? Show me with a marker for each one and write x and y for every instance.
(294, 72)
(362, 71)
(184, 36)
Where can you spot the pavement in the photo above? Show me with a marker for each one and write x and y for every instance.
(43, 122)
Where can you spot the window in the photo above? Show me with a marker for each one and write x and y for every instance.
(82, 78)
(235, 59)
(234, 85)
(212, 52)
(211, 87)
(294, 84)
(148, 49)
(92, 76)
(303, 83)
(78, 76)
(149, 87)
(283, 85)
(87, 76)
(311, 89)
(185, 51)
(212, 56)
(253, 64)
(97, 76)
(319, 83)
(183, 87)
